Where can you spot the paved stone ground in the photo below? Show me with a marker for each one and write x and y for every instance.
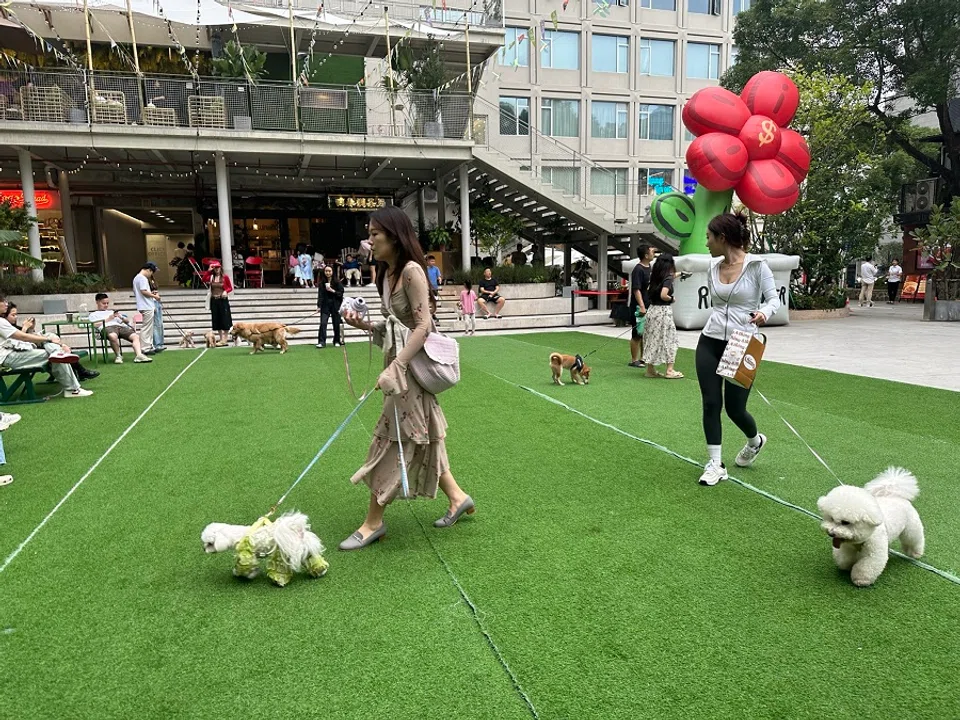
(890, 342)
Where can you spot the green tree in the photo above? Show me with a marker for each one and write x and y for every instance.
(938, 239)
(14, 222)
(906, 51)
(846, 202)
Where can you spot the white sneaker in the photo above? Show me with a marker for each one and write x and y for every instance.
(142, 359)
(8, 419)
(118, 360)
(746, 456)
(79, 392)
(713, 473)
(64, 358)
(321, 345)
(5, 479)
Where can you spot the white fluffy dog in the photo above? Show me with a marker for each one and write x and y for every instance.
(864, 521)
(288, 543)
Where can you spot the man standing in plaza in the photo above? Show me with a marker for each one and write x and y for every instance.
(868, 276)
(145, 305)
(639, 284)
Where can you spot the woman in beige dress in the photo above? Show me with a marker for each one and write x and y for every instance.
(405, 293)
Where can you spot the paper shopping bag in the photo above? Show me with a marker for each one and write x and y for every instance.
(742, 357)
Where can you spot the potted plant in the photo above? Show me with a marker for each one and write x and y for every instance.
(439, 238)
(14, 223)
(245, 65)
(937, 240)
(421, 74)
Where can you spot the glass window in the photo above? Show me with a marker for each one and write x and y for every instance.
(659, 4)
(560, 50)
(657, 57)
(740, 5)
(611, 53)
(699, 6)
(514, 116)
(561, 118)
(703, 61)
(688, 136)
(655, 181)
(516, 48)
(565, 179)
(734, 54)
(608, 181)
(608, 120)
(656, 122)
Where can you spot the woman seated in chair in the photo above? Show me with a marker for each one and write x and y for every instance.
(30, 326)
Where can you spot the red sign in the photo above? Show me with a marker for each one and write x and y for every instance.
(45, 199)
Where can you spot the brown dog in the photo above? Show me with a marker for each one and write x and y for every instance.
(211, 338)
(260, 334)
(187, 340)
(579, 372)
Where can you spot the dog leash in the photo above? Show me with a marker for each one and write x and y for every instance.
(173, 320)
(615, 337)
(403, 463)
(326, 445)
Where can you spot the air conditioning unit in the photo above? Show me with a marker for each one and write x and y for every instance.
(920, 197)
(324, 99)
(716, 7)
(429, 195)
(623, 3)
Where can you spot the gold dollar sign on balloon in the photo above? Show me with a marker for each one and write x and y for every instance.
(765, 135)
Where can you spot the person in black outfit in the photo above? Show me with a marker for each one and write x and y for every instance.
(639, 286)
(329, 298)
(490, 293)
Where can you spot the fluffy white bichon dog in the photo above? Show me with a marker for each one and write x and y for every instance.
(864, 521)
(287, 542)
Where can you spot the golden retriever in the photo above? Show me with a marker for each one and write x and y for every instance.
(579, 372)
(260, 334)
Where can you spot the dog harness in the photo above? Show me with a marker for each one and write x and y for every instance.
(577, 363)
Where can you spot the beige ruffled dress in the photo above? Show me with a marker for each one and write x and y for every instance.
(406, 324)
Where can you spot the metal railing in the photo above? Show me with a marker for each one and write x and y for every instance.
(479, 13)
(99, 98)
(570, 172)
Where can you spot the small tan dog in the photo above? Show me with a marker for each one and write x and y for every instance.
(187, 340)
(211, 338)
(579, 371)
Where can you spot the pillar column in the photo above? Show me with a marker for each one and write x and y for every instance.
(226, 219)
(465, 217)
(69, 229)
(603, 259)
(634, 246)
(30, 205)
(441, 201)
(567, 265)
(421, 211)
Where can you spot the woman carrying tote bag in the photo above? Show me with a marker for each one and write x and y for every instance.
(405, 294)
(744, 296)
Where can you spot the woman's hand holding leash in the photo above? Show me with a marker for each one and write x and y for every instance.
(758, 318)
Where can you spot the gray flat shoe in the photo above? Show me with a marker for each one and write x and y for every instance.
(358, 542)
(449, 519)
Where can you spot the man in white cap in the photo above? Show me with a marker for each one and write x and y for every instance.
(145, 305)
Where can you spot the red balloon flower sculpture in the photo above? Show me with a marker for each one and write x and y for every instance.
(743, 144)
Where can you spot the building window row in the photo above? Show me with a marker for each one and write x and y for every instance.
(610, 181)
(560, 50)
(704, 7)
(608, 120)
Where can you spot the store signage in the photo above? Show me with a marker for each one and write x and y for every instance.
(356, 203)
(45, 199)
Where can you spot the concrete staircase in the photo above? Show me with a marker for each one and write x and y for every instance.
(528, 307)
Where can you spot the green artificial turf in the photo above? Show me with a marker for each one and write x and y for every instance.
(610, 582)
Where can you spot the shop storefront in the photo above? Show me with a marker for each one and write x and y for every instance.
(52, 238)
(269, 228)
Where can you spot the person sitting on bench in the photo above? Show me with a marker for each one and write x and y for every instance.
(16, 356)
(113, 326)
(29, 325)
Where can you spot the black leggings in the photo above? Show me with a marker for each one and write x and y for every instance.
(329, 313)
(709, 352)
(892, 288)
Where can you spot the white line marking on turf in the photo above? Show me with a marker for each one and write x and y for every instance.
(913, 561)
(88, 473)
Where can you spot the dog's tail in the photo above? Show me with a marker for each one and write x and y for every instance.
(555, 359)
(292, 330)
(894, 482)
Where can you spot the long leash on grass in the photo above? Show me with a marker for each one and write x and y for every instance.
(474, 610)
(323, 449)
(603, 345)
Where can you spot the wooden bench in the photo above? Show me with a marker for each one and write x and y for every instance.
(21, 390)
